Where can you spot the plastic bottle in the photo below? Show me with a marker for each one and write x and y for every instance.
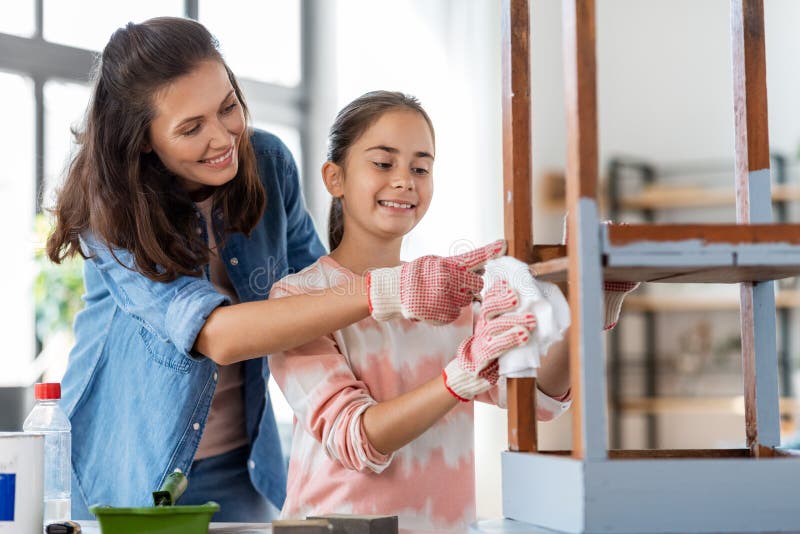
(49, 419)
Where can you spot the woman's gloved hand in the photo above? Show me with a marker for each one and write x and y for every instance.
(474, 369)
(431, 288)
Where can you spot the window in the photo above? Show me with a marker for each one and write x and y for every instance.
(17, 192)
(64, 105)
(263, 45)
(18, 18)
(98, 19)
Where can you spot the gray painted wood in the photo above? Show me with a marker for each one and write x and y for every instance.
(652, 496)
(543, 490)
(693, 495)
(633, 258)
(592, 349)
(760, 196)
(506, 526)
(766, 365)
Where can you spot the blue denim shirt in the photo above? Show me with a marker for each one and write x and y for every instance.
(136, 395)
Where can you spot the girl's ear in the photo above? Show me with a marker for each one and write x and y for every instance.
(333, 177)
(147, 147)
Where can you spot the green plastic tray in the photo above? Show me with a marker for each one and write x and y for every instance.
(155, 519)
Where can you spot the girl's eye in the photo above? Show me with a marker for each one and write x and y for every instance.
(382, 165)
(420, 171)
(230, 108)
(193, 130)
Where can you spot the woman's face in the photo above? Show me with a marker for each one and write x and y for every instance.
(197, 127)
(388, 177)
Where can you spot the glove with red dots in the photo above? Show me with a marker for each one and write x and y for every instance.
(474, 369)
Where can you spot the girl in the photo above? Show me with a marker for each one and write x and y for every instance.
(380, 428)
(166, 199)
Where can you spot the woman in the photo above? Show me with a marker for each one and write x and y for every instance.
(186, 217)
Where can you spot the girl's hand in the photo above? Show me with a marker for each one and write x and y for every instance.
(475, 369)
(613, 292)
(431, 288)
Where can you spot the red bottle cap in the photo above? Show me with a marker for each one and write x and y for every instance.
(47, 391)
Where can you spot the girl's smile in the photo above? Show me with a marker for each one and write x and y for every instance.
(387, 184)
(398, 206)
(384, 184)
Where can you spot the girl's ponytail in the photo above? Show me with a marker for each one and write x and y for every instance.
(335, 223)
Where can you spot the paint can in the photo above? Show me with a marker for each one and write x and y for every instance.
(21, 482)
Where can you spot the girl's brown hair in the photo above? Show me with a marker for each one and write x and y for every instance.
(126, 197)
(351, 122)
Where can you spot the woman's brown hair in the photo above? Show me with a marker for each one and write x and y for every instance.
(351, 122)
(127, 198)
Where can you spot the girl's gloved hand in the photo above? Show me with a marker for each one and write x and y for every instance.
(613, 292)
(475, 368)
(431, 288)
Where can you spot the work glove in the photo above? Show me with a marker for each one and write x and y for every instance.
(474, 370)
(613, 292)
(613, 295)
(431, 288)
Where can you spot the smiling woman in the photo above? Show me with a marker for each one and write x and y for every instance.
(199, 160)
(152, 152)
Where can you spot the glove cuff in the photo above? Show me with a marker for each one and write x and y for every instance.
(612, 301)
(383, 290)
(461, 384)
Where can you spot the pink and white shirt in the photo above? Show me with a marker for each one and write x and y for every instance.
(332, 380)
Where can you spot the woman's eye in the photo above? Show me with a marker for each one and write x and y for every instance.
(420, 171)
(382, 165)
(230, 108)
(193, 130)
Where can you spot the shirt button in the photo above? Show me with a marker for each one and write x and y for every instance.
(251, 464)
(196, 426)
(178, 470)
(216, 375)
(234, 261)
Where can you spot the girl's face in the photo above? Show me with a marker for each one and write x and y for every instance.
(197, 127)
(388, 176)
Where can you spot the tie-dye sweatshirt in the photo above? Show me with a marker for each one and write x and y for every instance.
(331, 381)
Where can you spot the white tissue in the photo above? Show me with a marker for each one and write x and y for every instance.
(544, 300)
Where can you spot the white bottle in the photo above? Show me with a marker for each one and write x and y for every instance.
(49, 419)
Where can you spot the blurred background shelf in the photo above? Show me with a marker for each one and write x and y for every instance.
(681, 333)
(683, 197)
(786, 298)
(704, 405)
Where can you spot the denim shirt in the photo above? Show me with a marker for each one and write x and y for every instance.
(137, 396)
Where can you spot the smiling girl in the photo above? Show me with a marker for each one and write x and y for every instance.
(383, 419)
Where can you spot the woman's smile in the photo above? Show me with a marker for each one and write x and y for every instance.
(222, 161)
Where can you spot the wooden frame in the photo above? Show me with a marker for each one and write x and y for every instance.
(589, 488)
